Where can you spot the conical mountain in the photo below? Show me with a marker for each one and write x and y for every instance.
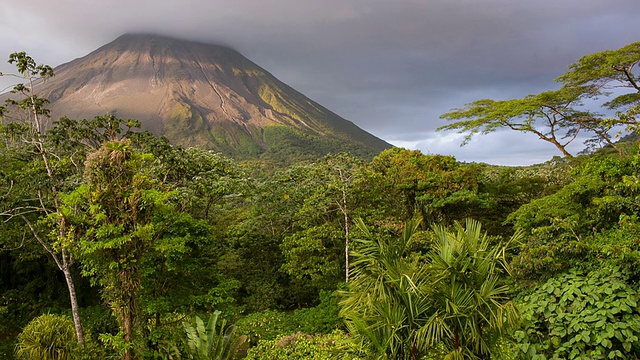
(199, 94)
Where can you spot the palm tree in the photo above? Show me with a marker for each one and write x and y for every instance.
(401, 305)
(471, 308)
(387, 301)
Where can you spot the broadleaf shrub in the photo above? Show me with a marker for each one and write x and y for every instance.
(582, 316)
(302, 346)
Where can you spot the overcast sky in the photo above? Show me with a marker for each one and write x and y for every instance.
(390, 66)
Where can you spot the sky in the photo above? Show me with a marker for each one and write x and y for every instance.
(390, 66)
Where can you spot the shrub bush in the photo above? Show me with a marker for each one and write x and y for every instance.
(301, 346)
(265, 325)
(47, 337)
(321, 319)
(269, 324)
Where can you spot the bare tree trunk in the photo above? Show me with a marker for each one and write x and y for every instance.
(345, 211)
(346, 248)
(64, 265)
(74, 302)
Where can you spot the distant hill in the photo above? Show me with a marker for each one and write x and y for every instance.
(206, 95)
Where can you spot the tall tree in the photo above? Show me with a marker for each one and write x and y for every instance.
(343, 170)
(206, 182)
(46, 202)
(333, 181)
(435, 187)
(318, 249)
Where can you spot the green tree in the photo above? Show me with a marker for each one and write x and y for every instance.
(312, 257)
(112, 217)
(593, 218)
(506, 188)
(435, 187)
(208, 195)
(342, 171)
(326, 212)
(298, 221)
(206, 183)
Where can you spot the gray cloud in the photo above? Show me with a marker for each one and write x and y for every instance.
(392, 67)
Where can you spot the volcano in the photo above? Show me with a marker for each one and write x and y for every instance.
(199, 94)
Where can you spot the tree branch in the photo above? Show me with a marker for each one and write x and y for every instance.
(42, 242)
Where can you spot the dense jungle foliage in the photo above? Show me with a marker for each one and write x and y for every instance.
(117, 245)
